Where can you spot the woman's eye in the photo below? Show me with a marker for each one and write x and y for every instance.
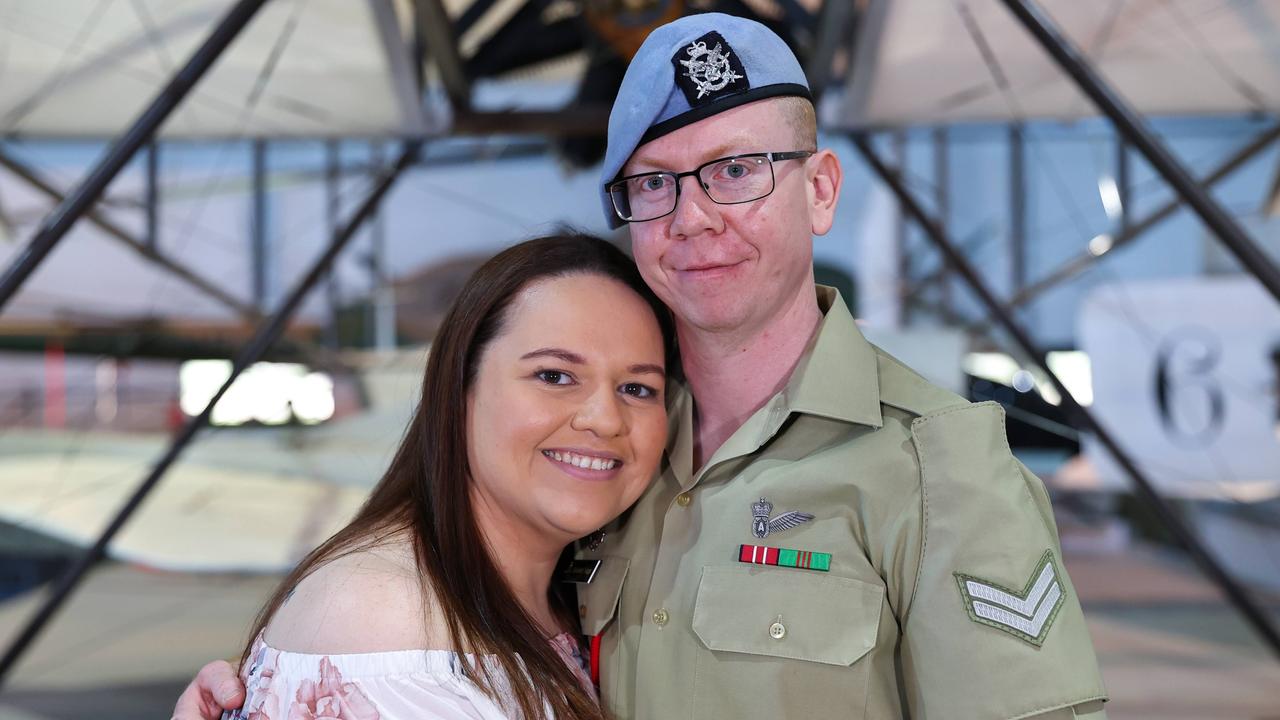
(554, 377)
(638, 390)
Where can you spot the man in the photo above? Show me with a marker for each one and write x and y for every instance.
(830, 535)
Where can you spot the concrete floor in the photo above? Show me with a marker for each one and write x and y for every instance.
(130, 639)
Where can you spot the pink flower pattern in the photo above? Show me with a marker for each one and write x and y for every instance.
(261, 702)
(328, 698)
(293, 688)
(331, 698)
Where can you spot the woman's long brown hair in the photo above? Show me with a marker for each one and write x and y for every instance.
(426, 488)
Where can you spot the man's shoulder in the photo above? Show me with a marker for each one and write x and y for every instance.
(906, 390)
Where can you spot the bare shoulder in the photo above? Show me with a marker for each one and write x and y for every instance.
(367, 601)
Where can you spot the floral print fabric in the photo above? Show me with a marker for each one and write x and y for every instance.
(399, 685)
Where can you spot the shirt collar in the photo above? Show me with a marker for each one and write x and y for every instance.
(836, 378)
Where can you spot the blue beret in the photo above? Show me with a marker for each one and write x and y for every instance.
(691, 69)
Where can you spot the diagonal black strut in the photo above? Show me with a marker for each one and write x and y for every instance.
(1131, 125)
(1236, 594)
(146, 249)
(266, 335)
(59, 222)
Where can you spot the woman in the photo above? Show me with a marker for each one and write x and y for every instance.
(541, 419)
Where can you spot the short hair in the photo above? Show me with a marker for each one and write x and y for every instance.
(799, 114)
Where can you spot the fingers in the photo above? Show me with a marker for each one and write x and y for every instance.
(219, 679)
(214, 689)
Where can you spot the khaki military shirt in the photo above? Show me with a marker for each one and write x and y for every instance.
(943, 596)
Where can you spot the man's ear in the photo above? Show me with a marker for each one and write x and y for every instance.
(825, 178)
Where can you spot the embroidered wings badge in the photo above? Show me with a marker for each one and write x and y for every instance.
(1027, 614)
(762, 524)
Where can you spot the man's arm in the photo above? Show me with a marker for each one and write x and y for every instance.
(214, 689)
(993, 627)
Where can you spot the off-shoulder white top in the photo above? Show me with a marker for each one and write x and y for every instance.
(395, 685)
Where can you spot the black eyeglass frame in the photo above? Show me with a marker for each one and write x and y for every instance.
(772, 157)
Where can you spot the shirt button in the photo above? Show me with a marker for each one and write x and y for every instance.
(660, 617)
(777, 631)
(683, 499)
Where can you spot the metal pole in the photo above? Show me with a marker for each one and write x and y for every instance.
(1123, 184)
(1137, 133)
(258, 226)
(332, 177)
(1235, 593)
(1133, 230)
(900, 241)
(153, 196)
(942, 199)
(56, 225)
(1017, 208)
(184, 273)
(266, 335)
(384, 300)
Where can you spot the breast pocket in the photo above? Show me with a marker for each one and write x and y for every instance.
(783, 643)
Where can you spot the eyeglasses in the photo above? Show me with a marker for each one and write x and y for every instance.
(727, 181)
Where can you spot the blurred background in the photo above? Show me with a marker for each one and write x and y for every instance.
(1057, 155)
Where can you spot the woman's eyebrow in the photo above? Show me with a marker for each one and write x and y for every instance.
(558, 353)
(647, 368)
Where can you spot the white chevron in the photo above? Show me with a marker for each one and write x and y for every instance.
(1024, 606)
(1031, 626)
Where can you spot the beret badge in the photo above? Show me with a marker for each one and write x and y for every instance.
(708, 69)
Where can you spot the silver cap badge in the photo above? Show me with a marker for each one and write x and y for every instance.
(709, 70)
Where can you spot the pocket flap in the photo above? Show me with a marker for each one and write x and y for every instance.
(598, 599)
(822, 618)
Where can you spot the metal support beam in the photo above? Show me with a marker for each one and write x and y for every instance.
(900, 232)
(1253, 258)
(1124, 184)
(436, 30)
(1236, 594)
(582, 120)
(258, 226)
(1017, 208)
(152, 202)
(266, 335)
(383, 305)
(333, 209)
(471, 16)
(56, 225)
(942, 201)
(1135, 229)
(154, 256)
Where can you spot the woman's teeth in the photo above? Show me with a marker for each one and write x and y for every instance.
(585, 462)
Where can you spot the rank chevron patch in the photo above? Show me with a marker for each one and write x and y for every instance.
(1026, 615)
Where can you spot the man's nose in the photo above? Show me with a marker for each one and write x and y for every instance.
(695, 211)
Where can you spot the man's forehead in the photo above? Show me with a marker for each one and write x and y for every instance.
(740, 130)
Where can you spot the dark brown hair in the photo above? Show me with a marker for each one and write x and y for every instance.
(426, 488)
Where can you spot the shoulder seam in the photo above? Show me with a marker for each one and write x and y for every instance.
(924, 526)
(919, 380)
(926, 417)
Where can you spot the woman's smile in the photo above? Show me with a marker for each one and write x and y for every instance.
(585, 464)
